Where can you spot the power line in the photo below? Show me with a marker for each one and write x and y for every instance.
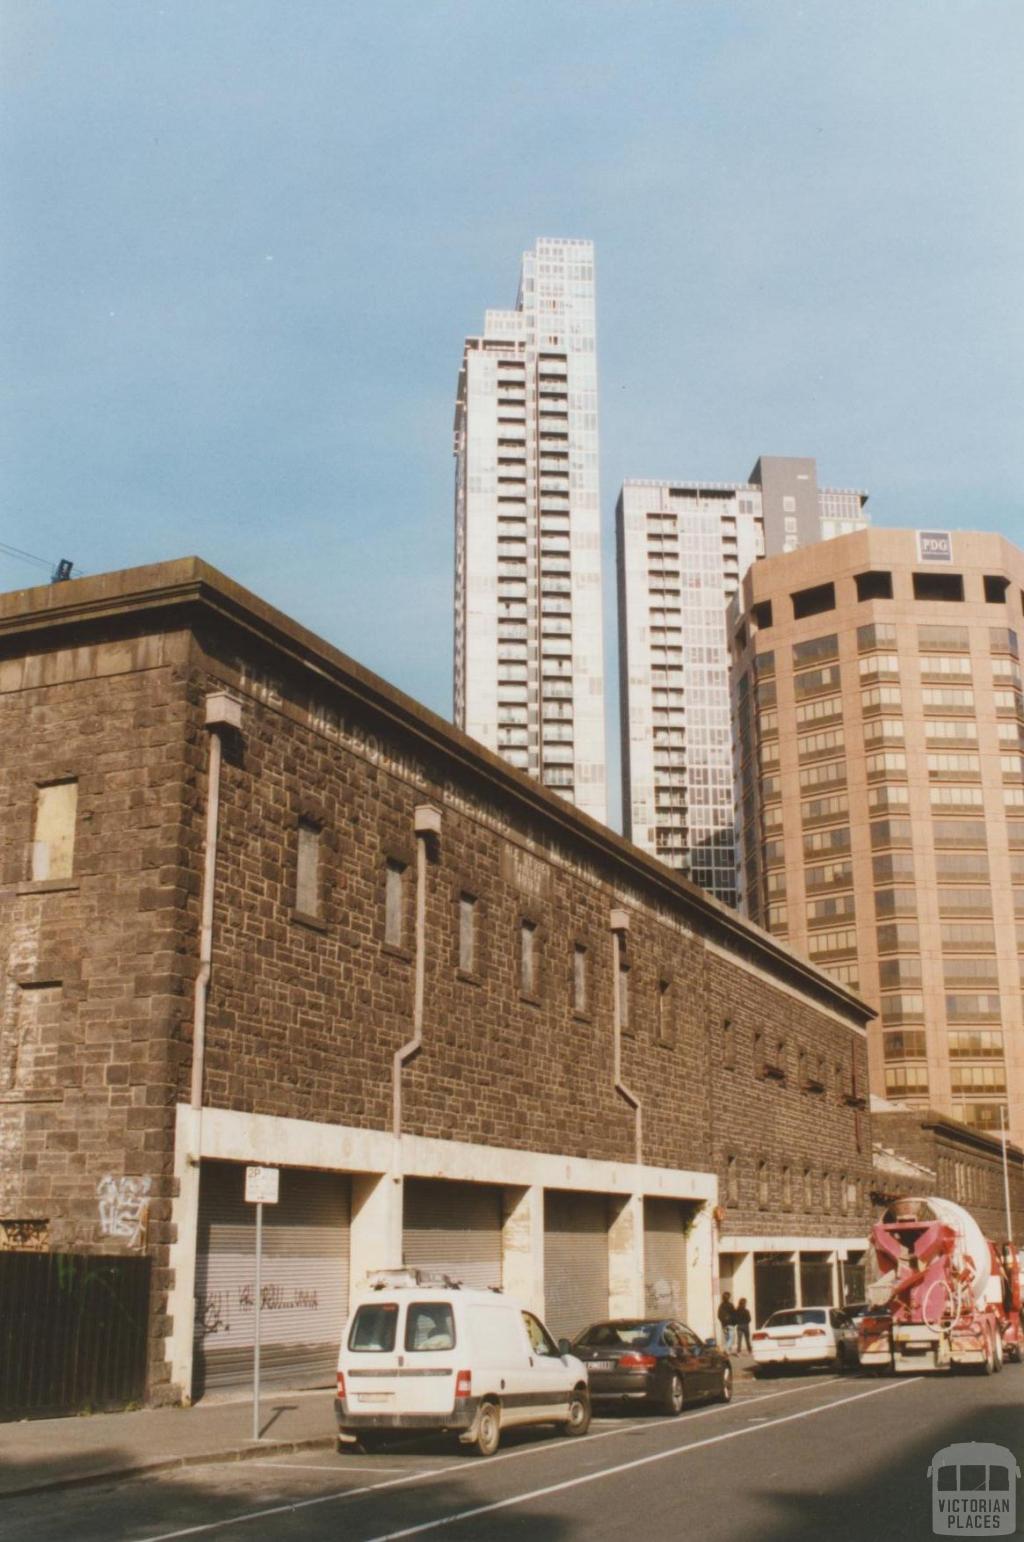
(56, 570)
(27, 556)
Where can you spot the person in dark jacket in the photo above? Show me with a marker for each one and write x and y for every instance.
(726, 1319)
(741, 1322)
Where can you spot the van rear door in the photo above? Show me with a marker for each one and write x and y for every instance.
(370, 1358)
(427, 1360)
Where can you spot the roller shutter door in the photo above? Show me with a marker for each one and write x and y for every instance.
(304, 1279)
(454, 1228)
(575, 1260)
(665, 1258)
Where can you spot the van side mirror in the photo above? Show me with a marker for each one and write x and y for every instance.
(564, 1347)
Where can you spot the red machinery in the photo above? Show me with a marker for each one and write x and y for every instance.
(942, 1294)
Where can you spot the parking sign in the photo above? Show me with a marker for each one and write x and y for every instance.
(261, 1185)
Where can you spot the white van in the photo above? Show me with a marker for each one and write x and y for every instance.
(420, 1356)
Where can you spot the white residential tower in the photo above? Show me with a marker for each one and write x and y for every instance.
(529, 676)
(683, 548)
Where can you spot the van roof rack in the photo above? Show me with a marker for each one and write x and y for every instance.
(407, 1277)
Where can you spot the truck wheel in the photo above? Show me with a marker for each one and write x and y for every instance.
(988, 1365)
(997, 1351)
(578, 1422)
(488, 1430)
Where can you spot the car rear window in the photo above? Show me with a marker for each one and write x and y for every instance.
(373, 1328)
(797, 1318)
(429, 1325)
(619, 1335)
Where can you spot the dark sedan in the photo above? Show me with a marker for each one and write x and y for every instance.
(659, 1361)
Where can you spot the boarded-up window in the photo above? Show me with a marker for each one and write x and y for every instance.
(666, 1013)
(579, 978)
(467, 932)
(528, 958)
(624, 1022)
(728, 1044)
(53, 841)
(29, 1033)
(307, 878)
(394, 903)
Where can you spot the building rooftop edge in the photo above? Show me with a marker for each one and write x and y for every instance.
(189, 581)
(933, 1119)
(740, 487)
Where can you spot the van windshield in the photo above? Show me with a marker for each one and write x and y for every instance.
(373, 1328)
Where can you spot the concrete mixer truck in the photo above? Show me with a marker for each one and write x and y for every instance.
(940, 1293)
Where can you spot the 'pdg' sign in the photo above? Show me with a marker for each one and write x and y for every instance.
(934, 546)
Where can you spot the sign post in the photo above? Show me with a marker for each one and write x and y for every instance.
(261, 1188)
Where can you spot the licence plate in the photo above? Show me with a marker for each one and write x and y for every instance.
(602, 1365)
(785, 1341)
(374, 1397)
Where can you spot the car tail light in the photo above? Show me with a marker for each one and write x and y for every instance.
(635, 1362)
(758, 1336)
(463, 1384)
(341, 1384)
(813, 1333)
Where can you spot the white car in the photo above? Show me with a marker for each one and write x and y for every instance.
(419, 1356)
(807, 1336)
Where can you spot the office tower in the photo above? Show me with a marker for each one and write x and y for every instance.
(529, 674)
(682, 549)
(880, 731)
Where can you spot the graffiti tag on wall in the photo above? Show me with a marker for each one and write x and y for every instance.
(214, 1310)
(124, 1207)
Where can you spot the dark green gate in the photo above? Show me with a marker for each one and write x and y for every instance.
(73, 1332)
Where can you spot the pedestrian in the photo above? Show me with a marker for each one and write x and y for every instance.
(727, 1319)
(741, 1321)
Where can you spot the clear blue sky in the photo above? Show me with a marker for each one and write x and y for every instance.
(242, 241)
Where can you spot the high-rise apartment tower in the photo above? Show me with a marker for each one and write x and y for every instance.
(683, 548)
(880, 735)
(529, 675)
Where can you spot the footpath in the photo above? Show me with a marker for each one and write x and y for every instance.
(41, 1454)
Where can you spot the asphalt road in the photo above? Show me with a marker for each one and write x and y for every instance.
(823, 1458)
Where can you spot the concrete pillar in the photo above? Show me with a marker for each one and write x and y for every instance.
(743, 1278)
(701, 1268)
(185, 1220)
(522, 1246)
(376, 1226)
(626, 1259)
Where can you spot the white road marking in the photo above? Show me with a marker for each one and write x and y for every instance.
(640, 1461)
(477, 1462)
(306, 1466)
